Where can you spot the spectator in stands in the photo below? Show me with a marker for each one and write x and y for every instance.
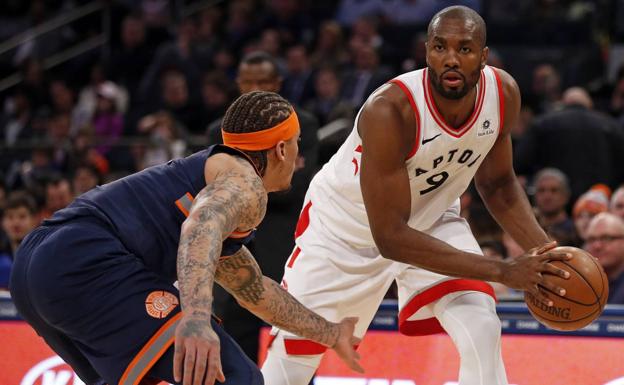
(217, 94)
(616, 206)
(365, 76)
(298, 84)
(88, 97)
(177, 100)
(545, 90)
(107, 118)
(58, 194)
(19, 217)
(166, 140)
(326, 104)
(15, 122)
(593, 202)
(330, 49)
(172, 61)
(578, 141)
(63, 101)
(290, 19)
(128, 63)
(552, 194)
(349, 11)
(85, 178)
(605, 241)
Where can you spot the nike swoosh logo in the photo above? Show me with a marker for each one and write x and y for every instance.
(424, 141)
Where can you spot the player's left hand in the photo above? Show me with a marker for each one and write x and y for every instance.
(345, 343)
(197, 354)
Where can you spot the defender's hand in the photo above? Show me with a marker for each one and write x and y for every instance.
(526, 272)
(345, 343)
(197, 355)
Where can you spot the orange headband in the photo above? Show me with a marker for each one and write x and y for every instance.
(265, 139)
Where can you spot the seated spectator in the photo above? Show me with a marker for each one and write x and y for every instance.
(58, 195)
(616, 206)
(165, 139)
(18, 219)
(552, 193)
(605, 241)
(593, 202)
(107, 118)
(327, 105)
(85, 178)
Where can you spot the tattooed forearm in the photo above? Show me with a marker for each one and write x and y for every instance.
(241, 276)
(289, 314)
(235, 200)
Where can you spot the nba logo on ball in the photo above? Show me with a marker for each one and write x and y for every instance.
(587, 290)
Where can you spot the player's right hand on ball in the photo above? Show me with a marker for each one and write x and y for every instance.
(346, 342)
(527, 272)
(197, 355)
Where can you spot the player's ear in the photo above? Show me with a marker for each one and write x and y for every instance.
(280, 150)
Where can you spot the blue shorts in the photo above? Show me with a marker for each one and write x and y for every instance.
(98, 306)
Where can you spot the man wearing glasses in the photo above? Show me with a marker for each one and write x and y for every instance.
(605, 241)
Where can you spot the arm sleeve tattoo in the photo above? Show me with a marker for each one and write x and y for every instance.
(241, 276)
(236, 199)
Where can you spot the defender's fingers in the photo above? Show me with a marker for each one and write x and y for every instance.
(189, 365)
(200, 365)
(178, 360)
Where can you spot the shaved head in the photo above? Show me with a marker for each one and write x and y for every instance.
(472, 20)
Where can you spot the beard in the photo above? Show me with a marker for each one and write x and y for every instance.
(454, 93)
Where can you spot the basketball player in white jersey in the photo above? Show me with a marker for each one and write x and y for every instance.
(386, 207)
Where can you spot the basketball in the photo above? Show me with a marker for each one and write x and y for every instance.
(587, 290)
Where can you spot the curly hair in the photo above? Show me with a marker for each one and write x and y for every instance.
(256, 111)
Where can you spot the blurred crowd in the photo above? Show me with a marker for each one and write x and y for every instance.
(166, 75)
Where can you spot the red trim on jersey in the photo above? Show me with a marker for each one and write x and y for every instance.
(437, 116)
(410, 97)
(501, 101)
(304, 220)
(293, 257)
(431, 325)
(272, 338)
(303, 347)
(358, 148)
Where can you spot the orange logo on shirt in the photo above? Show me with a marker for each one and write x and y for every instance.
(160, 303)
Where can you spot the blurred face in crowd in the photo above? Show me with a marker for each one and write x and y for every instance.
(455, 56)
(132, 32)
(297, 59)
(550, 195)
(58, 195)
(617, 203)
(605, 241)
(62, 96)
(84, 180)
(366, 58)
(258, 77)
(327, 86)
(175, 89)
(17, 222)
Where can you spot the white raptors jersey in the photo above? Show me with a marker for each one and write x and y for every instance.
(441, 164)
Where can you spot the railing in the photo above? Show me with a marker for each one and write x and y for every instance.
(183, 9)
(51, 25)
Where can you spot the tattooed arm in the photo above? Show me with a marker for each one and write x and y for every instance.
(234, 198)
(240, 275)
